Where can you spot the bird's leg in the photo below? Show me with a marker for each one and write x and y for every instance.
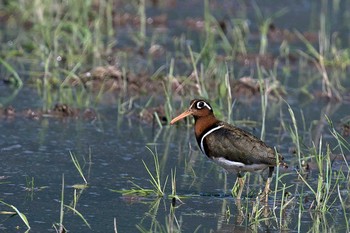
(240, 216)
(267, 185)
(240, 180)
(267, 189)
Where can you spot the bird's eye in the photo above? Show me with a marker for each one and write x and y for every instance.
(200, 104)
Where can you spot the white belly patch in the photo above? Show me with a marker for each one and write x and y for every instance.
(232, 166)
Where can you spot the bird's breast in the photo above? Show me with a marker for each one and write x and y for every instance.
(202, 140)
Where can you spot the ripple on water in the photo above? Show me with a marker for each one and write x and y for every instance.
(12, 147)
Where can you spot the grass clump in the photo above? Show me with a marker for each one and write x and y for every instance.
(78, 191)
(155, 178)
(59, 227)
(325, 190)
(68, 37)
(325, 187)
(158, 189)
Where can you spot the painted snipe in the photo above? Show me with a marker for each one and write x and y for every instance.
(230, 147)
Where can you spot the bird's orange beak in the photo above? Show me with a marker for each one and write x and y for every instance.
(182, 115)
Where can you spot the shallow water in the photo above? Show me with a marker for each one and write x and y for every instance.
(111, 148)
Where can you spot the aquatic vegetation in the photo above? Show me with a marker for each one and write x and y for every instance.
(155, 179)
(295, 136)
(16, 81)
(20, 214)
(86, 41)
(158, 187)
(257, 67)
(59, 227)
(325, 186)
(265, 23)
(77, 166)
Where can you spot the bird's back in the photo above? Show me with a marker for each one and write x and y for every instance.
(237, 145)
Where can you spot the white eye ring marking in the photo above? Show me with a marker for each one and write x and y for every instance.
(202, 104)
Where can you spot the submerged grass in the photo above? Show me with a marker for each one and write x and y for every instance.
(172, 223)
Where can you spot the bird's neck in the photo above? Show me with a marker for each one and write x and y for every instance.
(204, 123)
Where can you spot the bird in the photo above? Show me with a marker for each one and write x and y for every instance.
(232, 148)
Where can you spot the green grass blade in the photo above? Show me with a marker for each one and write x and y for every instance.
(306, 183)
(77, 165)
(79, 214)
(20, 214)
(61, 206)
(19, 82)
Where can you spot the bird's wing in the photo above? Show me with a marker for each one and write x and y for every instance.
(237, 145)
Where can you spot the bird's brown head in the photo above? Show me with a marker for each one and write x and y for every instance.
(198, 108)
